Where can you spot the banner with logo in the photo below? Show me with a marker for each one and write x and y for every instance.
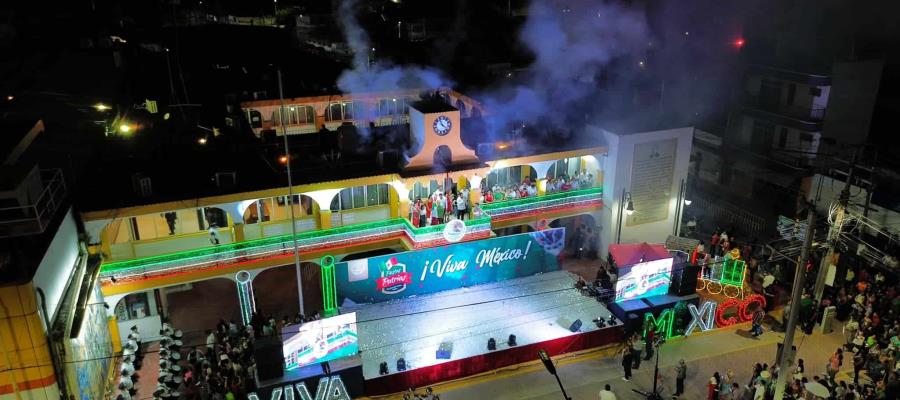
(453, 266)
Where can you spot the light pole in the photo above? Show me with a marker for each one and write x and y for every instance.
(787, 356)
(290, 201)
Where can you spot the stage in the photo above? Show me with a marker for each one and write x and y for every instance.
(538, 309)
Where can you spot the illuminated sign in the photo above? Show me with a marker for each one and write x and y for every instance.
(704, 318)
(645, 279)
(330, 388)
(707, 317)
(448, 267)
(320, 340)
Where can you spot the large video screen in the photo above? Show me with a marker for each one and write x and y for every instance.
(644, 280)
(320, 341)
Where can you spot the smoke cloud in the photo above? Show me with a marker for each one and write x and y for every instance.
(574, 42)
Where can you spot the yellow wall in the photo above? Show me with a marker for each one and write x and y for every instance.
(25, 356)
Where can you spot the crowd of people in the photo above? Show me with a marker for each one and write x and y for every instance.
(442, 206)
(222, 369)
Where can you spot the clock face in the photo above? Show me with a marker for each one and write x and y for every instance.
(442, 125)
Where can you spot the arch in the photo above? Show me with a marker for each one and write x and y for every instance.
(368, 254)
(514, 230)
(577, 226)
(275, 292)
(276, 208)
(508, 176)
(192, 311)
(443, 158)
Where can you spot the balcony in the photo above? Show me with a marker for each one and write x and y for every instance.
(343, 237)
(33, 219)
(807, 119)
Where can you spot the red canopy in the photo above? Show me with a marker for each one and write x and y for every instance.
(628, 254)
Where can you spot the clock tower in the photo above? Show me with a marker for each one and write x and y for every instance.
(435, 138)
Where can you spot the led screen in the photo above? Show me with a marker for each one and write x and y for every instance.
(644, 280)
(320, 341)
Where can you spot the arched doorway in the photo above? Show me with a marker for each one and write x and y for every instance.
(443, 158)
(513, 230)
(276, 295)
(198, 306)
(368, 254)
(275, 292)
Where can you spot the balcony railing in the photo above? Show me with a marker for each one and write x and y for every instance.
(34, 218)
(812, 113)
(212, 257)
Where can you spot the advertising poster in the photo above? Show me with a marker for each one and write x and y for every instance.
(454, 266)
(644, 280)
(319, 341)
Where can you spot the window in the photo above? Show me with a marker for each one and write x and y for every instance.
(361, 196)
(134, 306)
(343, 111)
(815, 91)
(393, 106)
(806, 137)
(782, 138)
(255, 118)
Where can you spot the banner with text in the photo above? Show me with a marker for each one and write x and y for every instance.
(442, 268)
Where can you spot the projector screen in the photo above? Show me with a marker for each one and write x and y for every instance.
(320, 341)
(644, 280)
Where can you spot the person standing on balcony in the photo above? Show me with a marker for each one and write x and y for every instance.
(213, 235)
(423, 214)
(461, 206)
(170, 217)
(437, 210)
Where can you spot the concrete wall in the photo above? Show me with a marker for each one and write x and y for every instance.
(618, 176)
(58, 264)
(853, 95)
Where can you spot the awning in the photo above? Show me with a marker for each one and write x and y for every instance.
(626, 255)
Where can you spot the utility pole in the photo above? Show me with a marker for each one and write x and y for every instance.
(834, 232)
(787, 352)
(290, 201)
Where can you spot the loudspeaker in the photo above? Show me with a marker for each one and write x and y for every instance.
(269, 358)
(576, 326)
(401, 364)
(685, 280)
(512, 340)
(492, 344)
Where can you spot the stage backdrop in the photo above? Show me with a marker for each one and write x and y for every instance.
(437, 269)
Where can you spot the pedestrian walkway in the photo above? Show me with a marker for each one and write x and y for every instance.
(584, 376)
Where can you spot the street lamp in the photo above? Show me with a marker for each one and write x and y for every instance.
(124, 128)
(626, 206)
(101, 107)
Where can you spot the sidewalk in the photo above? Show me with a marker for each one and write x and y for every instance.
(705, 353)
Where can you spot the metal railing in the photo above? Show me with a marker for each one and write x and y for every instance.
(34, 218)
(212, 257)
(790, 110)
(724, 214)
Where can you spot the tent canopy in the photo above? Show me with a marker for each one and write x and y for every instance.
(628, 254)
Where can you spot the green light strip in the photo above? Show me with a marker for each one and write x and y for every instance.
(329, 289)
(400, 223)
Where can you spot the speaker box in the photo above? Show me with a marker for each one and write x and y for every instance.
(576, 326)
(269, 358)
(685, 280)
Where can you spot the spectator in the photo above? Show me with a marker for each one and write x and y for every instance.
(607, 393)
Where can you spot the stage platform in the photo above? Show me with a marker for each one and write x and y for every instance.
(537, 309)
